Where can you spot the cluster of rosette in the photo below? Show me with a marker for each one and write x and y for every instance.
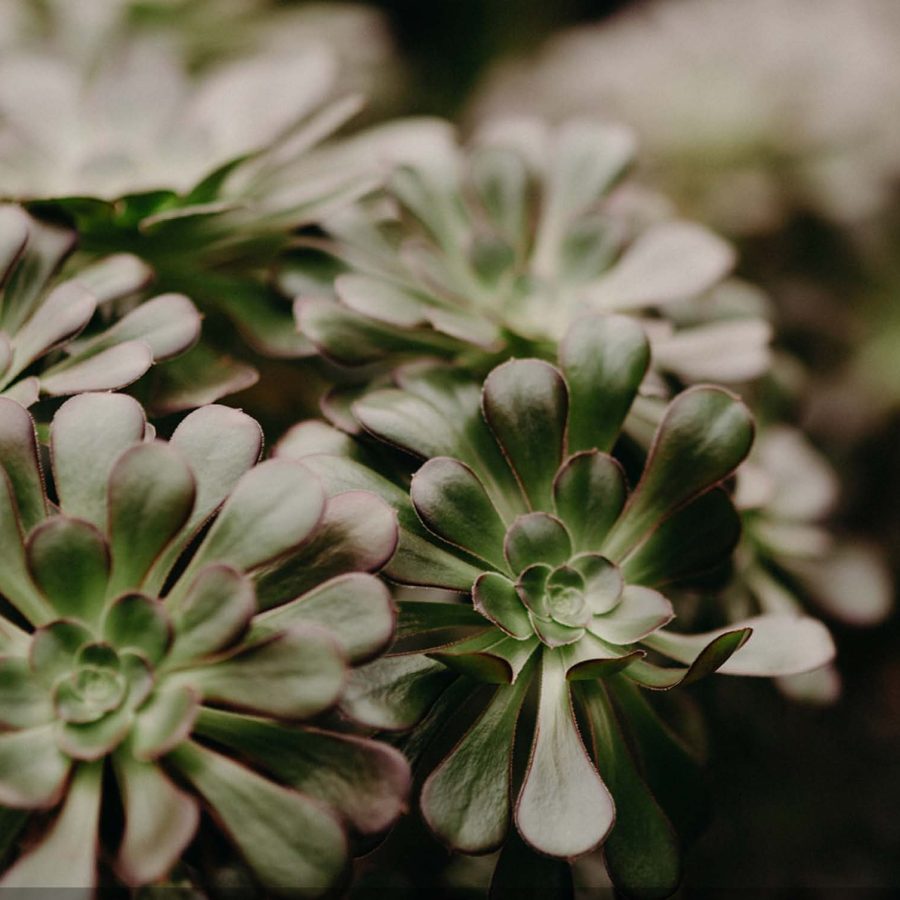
(178, 619)
(481, 251)
(525, 699)
(61, 336)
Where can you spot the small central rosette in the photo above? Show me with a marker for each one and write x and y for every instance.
(96, 685)
(173, 630)
(563, 601)
(559, 597)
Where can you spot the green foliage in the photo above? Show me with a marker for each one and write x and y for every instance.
(48, 344)
(135, 635)
(514, 338)
(563, 562)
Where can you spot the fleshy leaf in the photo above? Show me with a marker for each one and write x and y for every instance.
(438, 413)
(313, 436)
(853, 584)
(110, 369)
(115, 277)
(531, 587)
(587, 158)
(25, 392)
(393, 693)
(381, 300)
(54, 647)
(200, 376)
(536, 538)
(15, 581)
(351, 339)
(168, 324)
(140, 623)
(496, 598)
(64, 312)
(293, 845)
(66, 858)
(466, 799)
(358, 533)
(272, 509)
(93, 740)
(778, 645)
(19, 458)
(34, 770)
(163, 722)
(220, 445)
(604, 359)
(566, 602)
(603, 582)
(526, 405)
(151, 496)
(215, 611)
(491, 657)
(411, 422)
(69, 561)
(355, 608)
(47, 246)
(564, 808)
(589, 492)
(731, 351)
(366, 781)
(639, 612)
(420, 558)
(590, 659)
(160, 820)
(87, 435)
(705, 433)
(693, 540)
(452, 502)
(669, 261)
(293, 675)
(555, 634)
(704, 656)
(642, 851)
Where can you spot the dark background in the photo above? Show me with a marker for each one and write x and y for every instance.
(449, 42)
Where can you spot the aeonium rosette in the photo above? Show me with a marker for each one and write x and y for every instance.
(481, 251)
(183, 613)
(787, 492)
(62, 335)
(522, 506)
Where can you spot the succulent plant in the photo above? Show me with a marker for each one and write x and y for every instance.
(206, 33)
(176, 618)
(206, 183)
(786, 491)
(43, 346)
(494, 249)
(734, 125)
(520, 506)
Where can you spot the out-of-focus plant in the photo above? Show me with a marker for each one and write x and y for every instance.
(481, 252)
(520, 506)
(477, 255)
(752, 111)
(203, 173)
(183, 628)
(183, 614)
(61, 336)
(205, 33)
(786, 491)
